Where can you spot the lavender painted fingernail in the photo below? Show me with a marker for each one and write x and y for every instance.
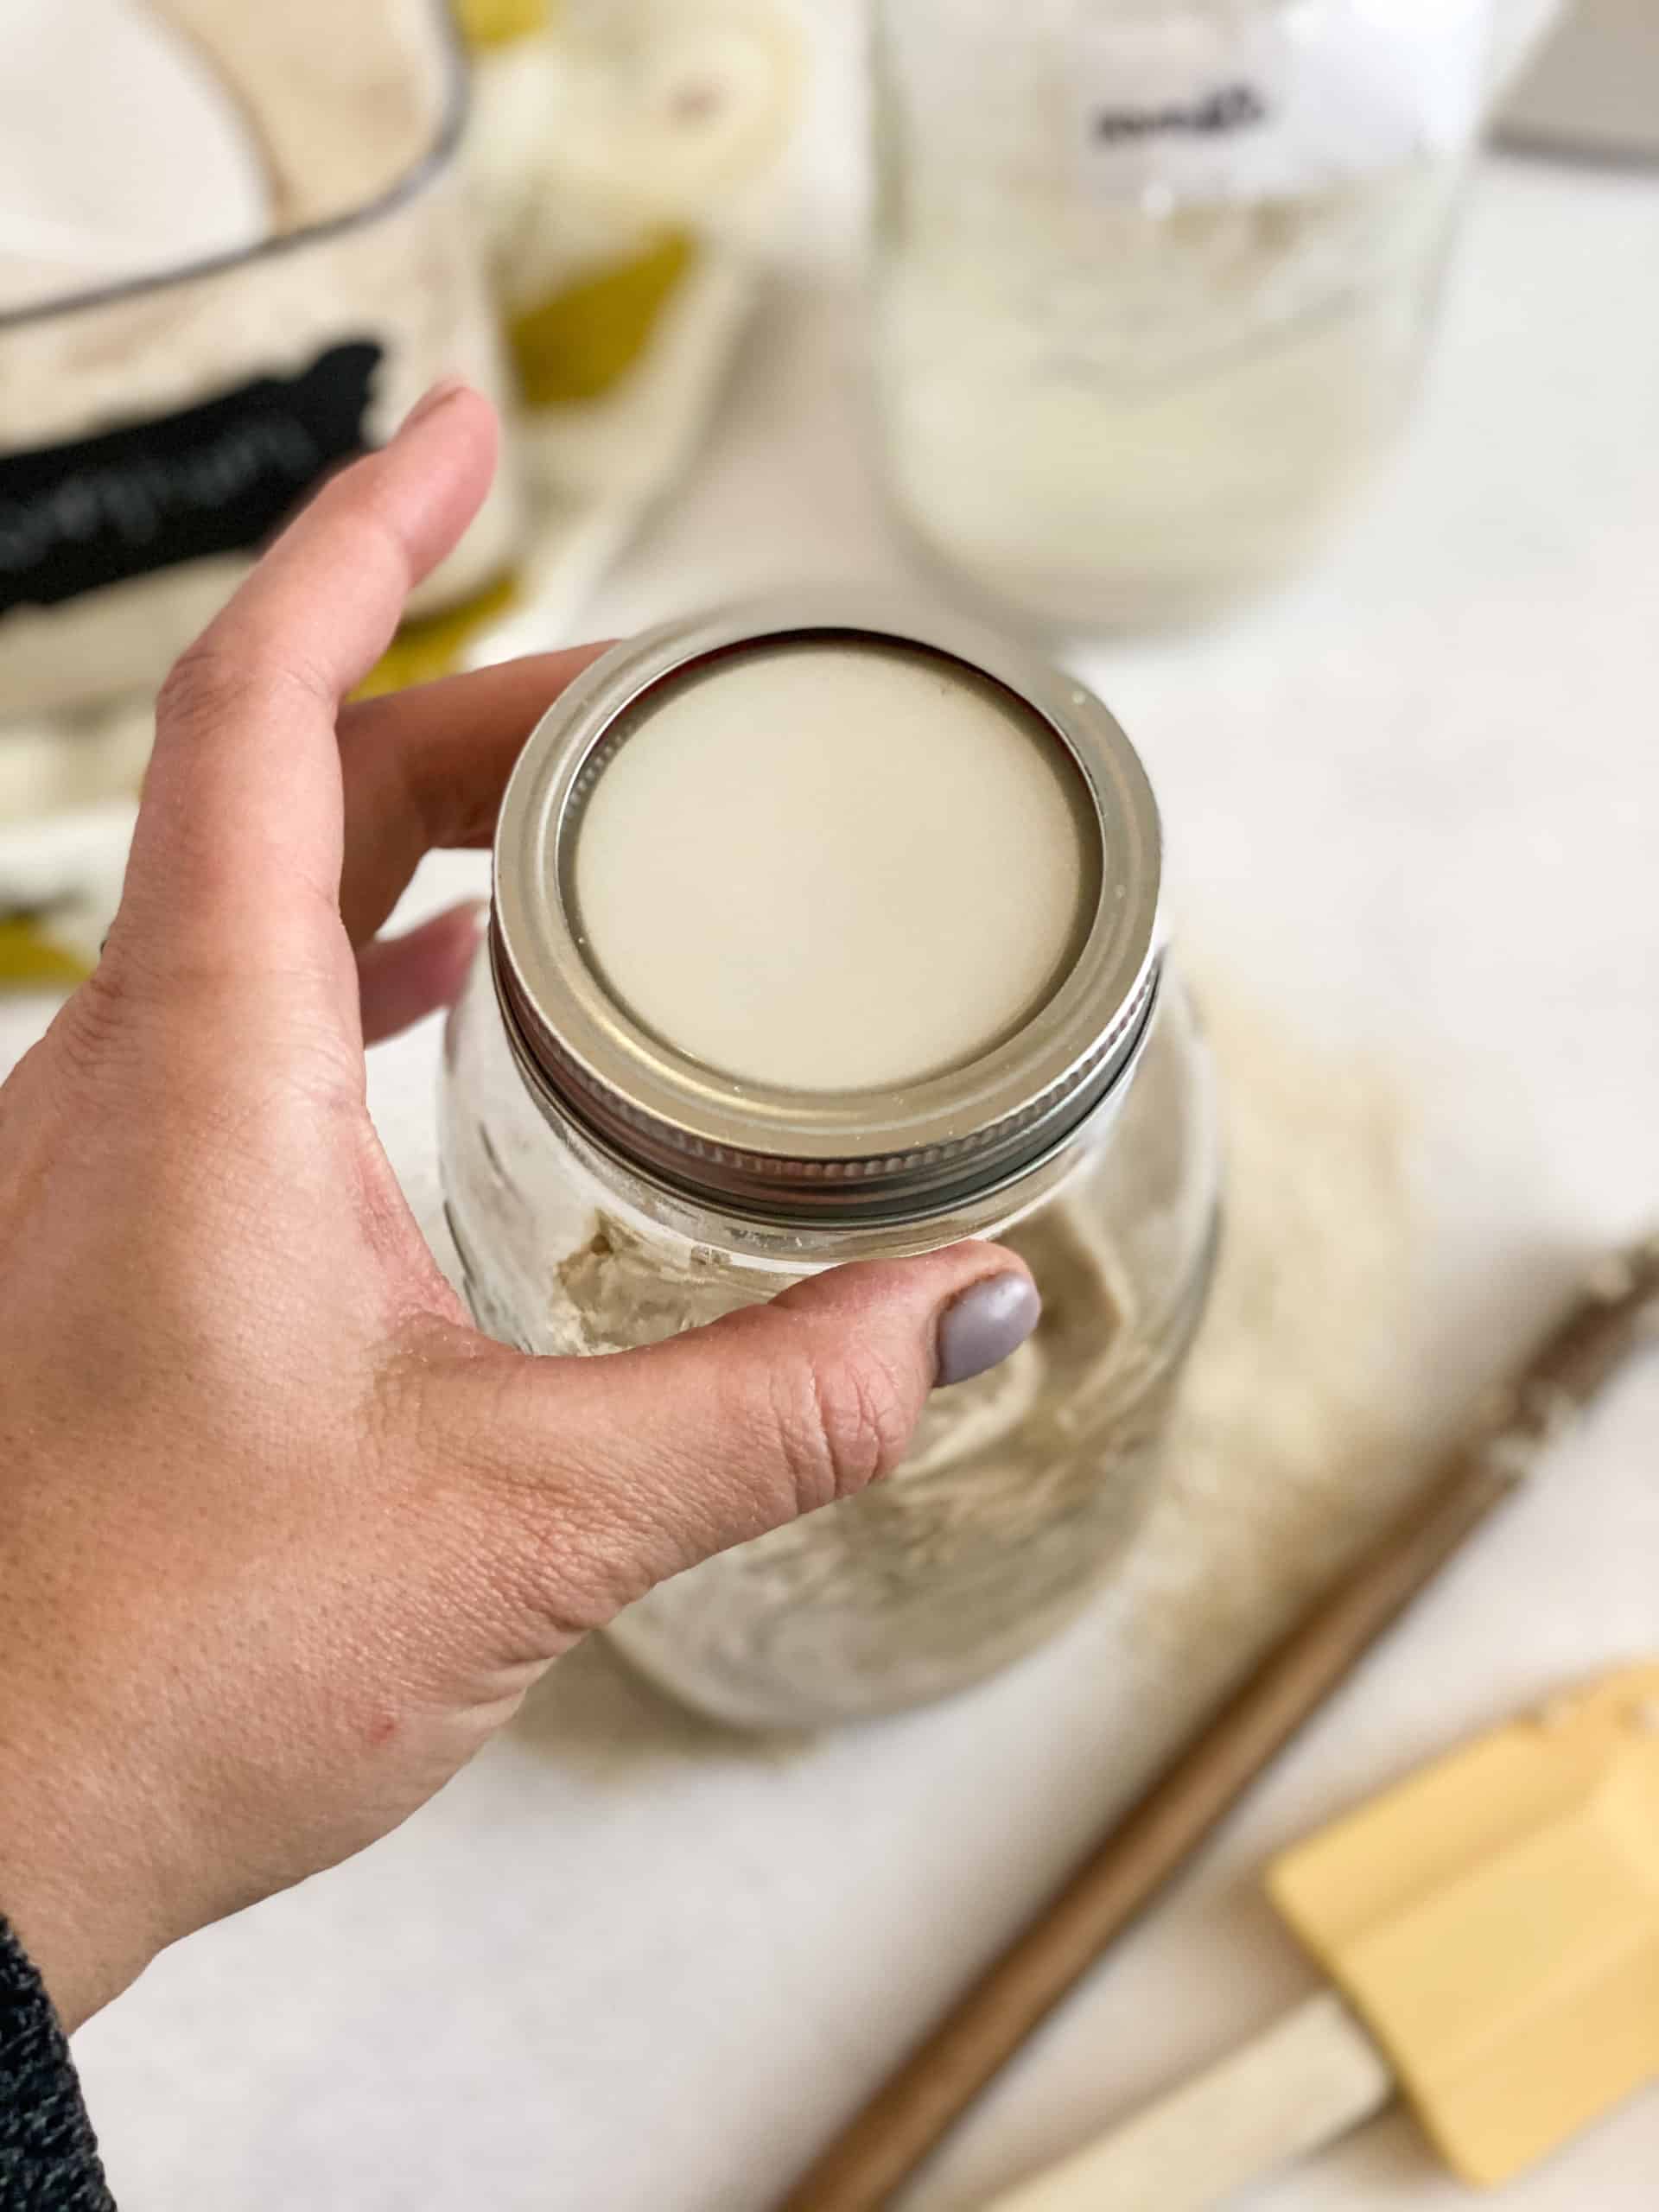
(981, 1325)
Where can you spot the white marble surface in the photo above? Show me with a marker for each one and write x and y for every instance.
(625, 1966)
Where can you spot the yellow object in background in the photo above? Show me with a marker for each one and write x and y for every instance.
(585, 338)
(498, 22)
(30, 961)
(1492, 1930)
(423, 651)
(1495, 1923)
(609, 153)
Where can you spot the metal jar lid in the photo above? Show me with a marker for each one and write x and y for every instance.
(822, 1158)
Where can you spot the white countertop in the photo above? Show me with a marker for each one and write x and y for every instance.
(626, 1965)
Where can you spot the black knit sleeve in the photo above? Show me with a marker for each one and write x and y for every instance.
(49, 2157)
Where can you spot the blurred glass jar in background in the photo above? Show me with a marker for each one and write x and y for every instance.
(767, 991)
(1154, 279)
(234, 252)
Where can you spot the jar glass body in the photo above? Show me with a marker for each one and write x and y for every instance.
(1153, 280)
(1022, 1487)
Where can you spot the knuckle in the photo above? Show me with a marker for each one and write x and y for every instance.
(201, 688)
(552, 1556)
(556, 1567)
(558, 1580)
(841, 1424)
(213, 682)
(94, 1034)
(101, 1005)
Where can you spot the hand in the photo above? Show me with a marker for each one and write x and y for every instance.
(282, 1538)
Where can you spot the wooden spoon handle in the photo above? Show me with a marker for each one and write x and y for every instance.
(934, 2086)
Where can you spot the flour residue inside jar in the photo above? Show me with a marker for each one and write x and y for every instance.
(910, 1579)
(1018, 1486)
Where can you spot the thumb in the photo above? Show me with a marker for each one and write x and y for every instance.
(626, 1468)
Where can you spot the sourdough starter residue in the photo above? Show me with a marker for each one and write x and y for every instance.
(1018, 1486)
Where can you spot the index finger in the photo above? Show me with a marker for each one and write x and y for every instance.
(237, 854)
(426, 768)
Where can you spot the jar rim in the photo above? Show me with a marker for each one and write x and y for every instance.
(822, 1156)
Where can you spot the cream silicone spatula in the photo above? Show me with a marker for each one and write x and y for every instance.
(1492, 1928)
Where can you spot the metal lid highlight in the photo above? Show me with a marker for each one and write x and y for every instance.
(821, 1157)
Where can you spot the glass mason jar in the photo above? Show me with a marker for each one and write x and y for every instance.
(609, 1182)
(1153, 280)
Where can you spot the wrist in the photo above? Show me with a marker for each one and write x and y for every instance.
(80, 1924)
(80, 1976)
(48, 2154)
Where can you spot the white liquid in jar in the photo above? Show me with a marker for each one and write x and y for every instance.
(1133, 355)
(828, 866)
(1134, 418)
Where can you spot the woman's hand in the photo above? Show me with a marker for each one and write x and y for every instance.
(282, 1538)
